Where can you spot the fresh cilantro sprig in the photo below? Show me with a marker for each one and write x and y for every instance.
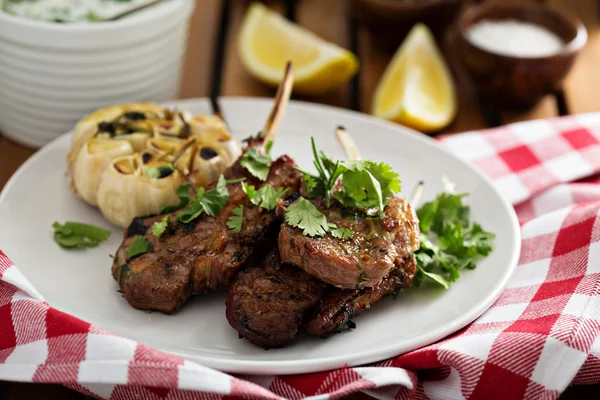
(77, 235)
(234, 222)
(139, 245)
(365, 184)
(304, 215)
(256, 163)
(450, 242)
(265, 197)
(183, 192)
(209, 201)
(340, 233)
(158, 228)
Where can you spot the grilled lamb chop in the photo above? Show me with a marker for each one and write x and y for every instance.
(203, 255)
(200, 256)
(267, 304)
(339, 307)
(377, 246)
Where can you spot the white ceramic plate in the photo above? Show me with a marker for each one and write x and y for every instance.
(80, 283)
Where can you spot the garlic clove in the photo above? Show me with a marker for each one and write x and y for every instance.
(92, 159)
(123, 195)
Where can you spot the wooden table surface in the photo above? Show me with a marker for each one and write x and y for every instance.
(213, 68)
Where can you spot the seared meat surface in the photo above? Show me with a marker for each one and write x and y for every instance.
(339, 307)
(377, 246)
(267, 304)
(202, 255)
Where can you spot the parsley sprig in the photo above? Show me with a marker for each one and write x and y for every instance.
(450, 242)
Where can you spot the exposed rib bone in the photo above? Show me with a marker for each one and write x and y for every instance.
(271, 129)
(347, 143)
(417, 193)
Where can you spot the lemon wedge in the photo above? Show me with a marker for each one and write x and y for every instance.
(416, 89)
(268, 41)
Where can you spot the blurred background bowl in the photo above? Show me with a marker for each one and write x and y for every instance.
(390, 20)
(519, 82)
(53, 74)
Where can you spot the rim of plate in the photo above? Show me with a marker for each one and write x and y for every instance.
(357, 358)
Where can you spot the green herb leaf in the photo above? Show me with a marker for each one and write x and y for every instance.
(304, 215)
(258, 164)
(139, 245)
(265, 197)
(183, 192)
(158, 228)
(365, 183)
(314, 186)
(159, 172)
(340, 233)
(214, 200)
(210, 202)
(449, 241)
(123, 269)
(234, 222)
(192, 211)
(76, 235)
(249, 190)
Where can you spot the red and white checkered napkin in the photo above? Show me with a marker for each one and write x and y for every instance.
(540, 336)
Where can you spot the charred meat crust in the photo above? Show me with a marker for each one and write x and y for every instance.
(267, 304)
(376, 247)
(337, 308)
(201, 256)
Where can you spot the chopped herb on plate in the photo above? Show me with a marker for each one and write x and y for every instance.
(77, 235)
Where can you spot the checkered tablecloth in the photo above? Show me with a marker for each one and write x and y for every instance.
(539, 337)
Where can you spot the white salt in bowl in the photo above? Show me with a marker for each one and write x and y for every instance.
(519, 80)
(53, 74)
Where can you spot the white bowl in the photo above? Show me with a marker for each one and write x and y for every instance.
(33, 121)
(91, 58)
(138, 28)
(53, 74)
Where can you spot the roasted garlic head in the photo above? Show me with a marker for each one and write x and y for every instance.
(130, 159)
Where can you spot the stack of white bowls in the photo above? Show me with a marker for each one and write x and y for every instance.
(53, 74)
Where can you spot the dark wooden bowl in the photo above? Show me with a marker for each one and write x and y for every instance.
(390, 20)
(520, 82)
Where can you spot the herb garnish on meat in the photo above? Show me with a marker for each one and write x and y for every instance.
(366, 185)
(158, 228)
(234, 222)
(256, 163)
(265, 197)
(139, 245)
(210, 202)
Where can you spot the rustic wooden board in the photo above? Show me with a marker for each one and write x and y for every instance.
(316, 15)
(236, 81)
(196, 77)
(12, 155)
